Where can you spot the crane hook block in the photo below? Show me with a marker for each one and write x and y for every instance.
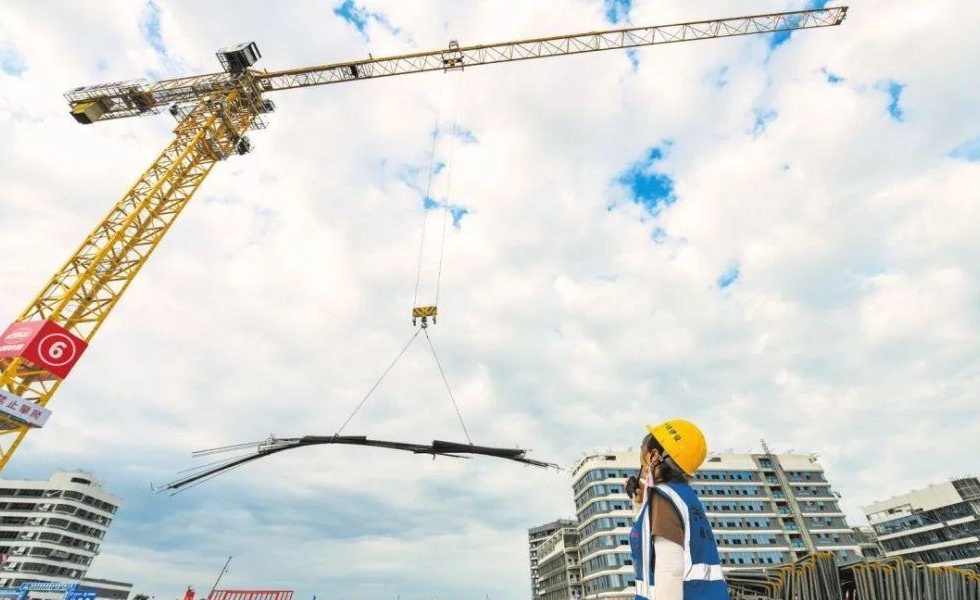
(424, 312)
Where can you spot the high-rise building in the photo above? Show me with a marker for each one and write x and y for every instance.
(765, 509)
(938, 525)
(771, 509)
(51, 530)
(605, 516)
(559, 572)
(535, 537)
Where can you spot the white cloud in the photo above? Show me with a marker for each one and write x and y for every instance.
(285, 288)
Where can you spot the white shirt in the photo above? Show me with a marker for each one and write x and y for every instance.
(668, 570)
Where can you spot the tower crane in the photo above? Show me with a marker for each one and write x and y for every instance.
(214, 112)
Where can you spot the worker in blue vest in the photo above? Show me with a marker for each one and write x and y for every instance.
(674, 551)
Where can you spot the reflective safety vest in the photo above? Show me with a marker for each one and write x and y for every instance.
(703, 579)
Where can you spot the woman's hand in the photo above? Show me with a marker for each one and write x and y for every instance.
(635, 488)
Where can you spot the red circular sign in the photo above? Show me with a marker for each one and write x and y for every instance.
(57, 349)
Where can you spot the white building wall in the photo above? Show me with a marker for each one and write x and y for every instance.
(928, 498)
(52, 530)
(938, 525)
(605, 516)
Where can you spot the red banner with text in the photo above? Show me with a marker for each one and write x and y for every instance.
(46, 344)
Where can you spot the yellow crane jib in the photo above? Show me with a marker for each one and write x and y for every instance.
(214, 111)
(424, 312)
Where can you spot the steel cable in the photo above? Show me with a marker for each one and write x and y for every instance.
(448, 389)
(378, 382)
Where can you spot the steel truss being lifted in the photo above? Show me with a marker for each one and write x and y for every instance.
(274, 445)
(214, 113)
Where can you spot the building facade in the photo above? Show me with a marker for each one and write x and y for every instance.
(605, 516)
(938, 525)
(535, 537)
(765, 510)
(559, 572)
(50, 531)
(769, 509)
(868, 542)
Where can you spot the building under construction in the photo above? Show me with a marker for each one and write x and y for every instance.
(938, 525)
(536, 538)
(559, 572)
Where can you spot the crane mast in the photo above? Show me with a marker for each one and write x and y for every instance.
(214, 112)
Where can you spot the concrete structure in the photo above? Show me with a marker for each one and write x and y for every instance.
(107, 589)
(51, 530)
(868, 542)
(559, 572)
(765, 510)
(938, 525)
(772, 509)
(535, 537)
(605, 515)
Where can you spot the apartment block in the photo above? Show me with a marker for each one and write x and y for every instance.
(535, 537)
(51, 530)
(559, 571)
(938, 525)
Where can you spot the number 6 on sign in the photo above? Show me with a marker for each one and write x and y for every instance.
(46, 344)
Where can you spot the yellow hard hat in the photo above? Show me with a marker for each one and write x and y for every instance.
(682, 441)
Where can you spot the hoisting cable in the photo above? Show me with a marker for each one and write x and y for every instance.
(378, 382)
(452, 398)
(449, 181)
(428, 188)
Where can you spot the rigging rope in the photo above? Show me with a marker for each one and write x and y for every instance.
(454, 132)
(378, 382)
(452, 398)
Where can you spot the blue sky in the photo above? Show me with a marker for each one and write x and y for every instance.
(781, 37)
(753, 233)
(968, 150)
(151, 27)
(358, 16)
(729, 277)
(832, 77)
(11, 62)
(894, 90)
(617, 11)
(647, 184)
